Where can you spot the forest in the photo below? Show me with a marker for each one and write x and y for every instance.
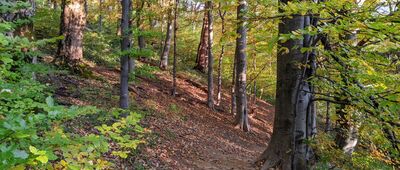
(199, 84)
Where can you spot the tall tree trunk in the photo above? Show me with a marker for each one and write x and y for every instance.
(255, 82)
(241, 66)
(73, 21)
(202, 53)
(328, 126)
(100, 15)
(233, 94)
(287, 148)
(221, 55)
(175, 57)
(167, 45)
(86, 8)
(210, 93)
(141, 41)
(125, 45)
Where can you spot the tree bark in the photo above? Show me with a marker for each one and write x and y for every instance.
(73, 22)
(294, 110)
(125, 45)
(233, 94)
(241, 67)
(167, 45)
(221, 55)
(210, 93)
(100, 15)
(202, 53)
(175, 57)
(141, 40)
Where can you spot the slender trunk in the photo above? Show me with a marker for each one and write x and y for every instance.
(221, 55)
(141, 41)
(73, 21)
(328, 126)
(210, 94)
(255, 81)
(175, 57)
(125, 45)
(167, 45)
(240, 86)
(233, 96)
(86, 9)
(202, 53)
(100, 15)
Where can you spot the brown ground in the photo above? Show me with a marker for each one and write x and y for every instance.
(185, 133)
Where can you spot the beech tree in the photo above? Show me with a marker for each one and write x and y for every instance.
(125, 46)
(202, 51)
(241, 66)
(174, 64)
(210, 93)
(293, 123)
(73, 20)
(221, 55)
(167, 43)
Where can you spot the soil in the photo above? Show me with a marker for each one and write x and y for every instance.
(185, 133)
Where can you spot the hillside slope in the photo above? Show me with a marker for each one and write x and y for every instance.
(185, 134)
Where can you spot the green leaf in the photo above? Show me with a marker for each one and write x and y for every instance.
(33, 149)
(43, 159)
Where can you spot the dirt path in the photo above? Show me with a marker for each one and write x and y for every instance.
(185, 133)
(191, 136)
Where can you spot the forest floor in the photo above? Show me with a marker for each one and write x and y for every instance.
(185, 133)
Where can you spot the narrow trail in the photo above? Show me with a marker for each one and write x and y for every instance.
(185, 133)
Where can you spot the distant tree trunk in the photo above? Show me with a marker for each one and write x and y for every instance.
(210, 93)
(73, 21)
(202, 53)
(141, 40)
(255, 81)
(167, 45)
(221, 55)
(241, 66)
(175, 57)
(101, 15)
(328, 126)
(287, 148)
(347, 132)
(125, 45)
(233, 94)
(86, 8)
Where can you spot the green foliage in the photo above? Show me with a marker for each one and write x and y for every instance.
(122, 132)
(143, 71)
(33, 127)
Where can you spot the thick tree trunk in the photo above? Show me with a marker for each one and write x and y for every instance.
(175, 57)
(125, 45)
(202, 53)
(167, 45)
(294, 109)
(73, 21)
(241, 66)
(210, 92)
